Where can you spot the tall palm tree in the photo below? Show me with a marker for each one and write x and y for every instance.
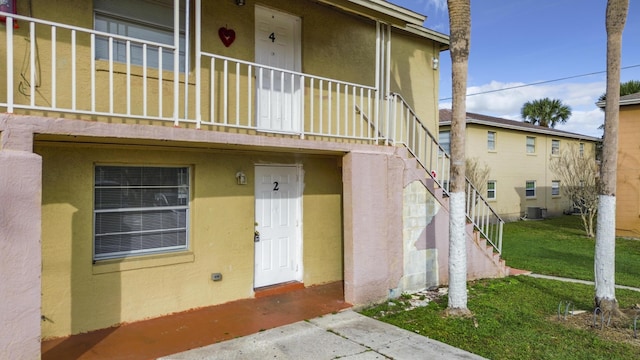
(545, 112)
(605, 255)
(460, 28)
(626, 88)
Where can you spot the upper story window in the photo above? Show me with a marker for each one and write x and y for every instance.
(581, 149)
(555, 147)
(444, 138)
(531, 145)
(555, 188)
(530, 189)
(139, 19)
(491, 190)
(140, 210)
(491, 140)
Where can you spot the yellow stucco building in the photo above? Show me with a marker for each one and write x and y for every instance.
(518, 155)
(628, 178)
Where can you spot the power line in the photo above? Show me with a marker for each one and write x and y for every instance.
(542, 82)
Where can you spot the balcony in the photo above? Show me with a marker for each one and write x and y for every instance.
(55, 69)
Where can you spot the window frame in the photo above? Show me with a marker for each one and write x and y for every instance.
(491, 140)
(490, 190)
(441, 135)
(555, 147)
(141, 213)
(124, 20)
(527, 189)
(530, 147)
(555, 188)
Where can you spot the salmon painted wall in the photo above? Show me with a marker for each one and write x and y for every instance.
(78, 296)
(628, 181)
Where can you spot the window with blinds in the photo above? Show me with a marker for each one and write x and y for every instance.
(140, 210)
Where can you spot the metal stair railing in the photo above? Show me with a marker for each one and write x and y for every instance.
(407, 129)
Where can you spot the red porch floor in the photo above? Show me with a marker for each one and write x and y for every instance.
(171, 334)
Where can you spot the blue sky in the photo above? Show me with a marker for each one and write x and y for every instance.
(523, 42)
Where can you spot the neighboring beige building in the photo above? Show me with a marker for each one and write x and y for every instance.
(157, 157)
(518, 154)
(628, 179)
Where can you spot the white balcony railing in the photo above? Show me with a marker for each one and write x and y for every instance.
(57, 71)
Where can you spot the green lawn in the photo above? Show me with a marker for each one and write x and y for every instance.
(558, 247)
(516, 317)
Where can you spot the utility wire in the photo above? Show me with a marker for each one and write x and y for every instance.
(542, 82)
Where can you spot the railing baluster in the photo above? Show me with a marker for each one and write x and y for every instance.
(338, 118)
(32, 63)
(249, 91)
(144, 80)
(237, 93)
(225, 92)
(312, 109)
(160, 87)
(110, 75)
(321, 97)
(74, 85)
(9, 30)
(301, 116)
(212, 90)
(128, 75)
(329, 109)
(54, 81)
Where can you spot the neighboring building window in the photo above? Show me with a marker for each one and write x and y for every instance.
(145, 20)
(491, 190)
(140, 210)
(555, 188)
(531, 145)
(581, 149)
(530, 189)
(491, 140)
(444, 138)
(555, 147)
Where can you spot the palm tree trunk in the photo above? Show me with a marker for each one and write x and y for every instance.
(604, 259)
(460, 28)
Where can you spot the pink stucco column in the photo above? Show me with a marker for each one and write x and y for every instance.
(20, 254)
(372, 227)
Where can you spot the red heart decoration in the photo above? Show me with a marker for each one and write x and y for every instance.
(227, 36)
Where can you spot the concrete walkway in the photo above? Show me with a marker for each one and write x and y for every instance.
(345, 335)
(585, 282)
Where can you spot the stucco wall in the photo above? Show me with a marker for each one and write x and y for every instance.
(79, 296)
(20, 183)
(628, 180)
(511, 166)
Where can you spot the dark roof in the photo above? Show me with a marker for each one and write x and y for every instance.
(473, 118)
(631, 99)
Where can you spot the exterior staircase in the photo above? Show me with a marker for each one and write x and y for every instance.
(423, 154)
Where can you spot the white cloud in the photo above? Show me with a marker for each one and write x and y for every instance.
(439, 5)
(581, 97)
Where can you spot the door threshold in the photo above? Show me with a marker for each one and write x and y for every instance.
(278, 289)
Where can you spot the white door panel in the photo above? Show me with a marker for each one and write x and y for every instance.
(278, 93)
(278, 246)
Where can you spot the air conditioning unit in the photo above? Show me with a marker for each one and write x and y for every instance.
(534, 213)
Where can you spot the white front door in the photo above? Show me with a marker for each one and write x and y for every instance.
(278, 93)
(278, 240)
